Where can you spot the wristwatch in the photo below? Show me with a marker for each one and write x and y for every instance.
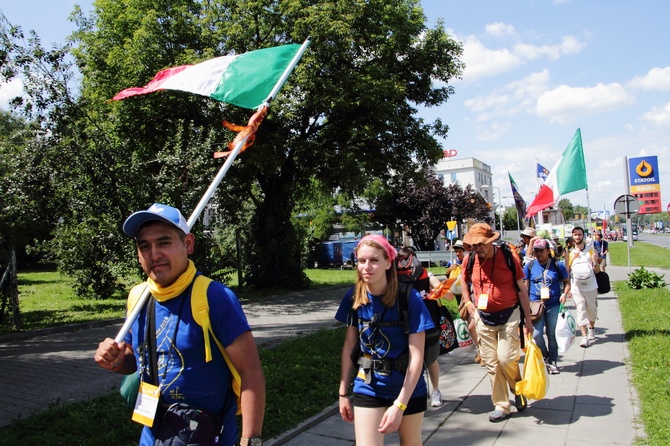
(253, 441)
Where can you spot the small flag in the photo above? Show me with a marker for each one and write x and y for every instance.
(542, 172)
(519, 202)
(567, 175)
(245, 80)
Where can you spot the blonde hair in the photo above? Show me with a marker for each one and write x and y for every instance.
(361, 288)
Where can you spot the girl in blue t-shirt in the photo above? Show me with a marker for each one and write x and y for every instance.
(387, 397)
(544, 277)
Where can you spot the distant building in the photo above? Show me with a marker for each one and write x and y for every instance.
(466, 171)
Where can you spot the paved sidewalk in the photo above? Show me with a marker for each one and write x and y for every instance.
(591, 401)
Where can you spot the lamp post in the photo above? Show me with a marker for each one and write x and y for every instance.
(494, 205)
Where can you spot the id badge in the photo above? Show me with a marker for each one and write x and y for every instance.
(147, 404)
(483, 301)
(544, 293)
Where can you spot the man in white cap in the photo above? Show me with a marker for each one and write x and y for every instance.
(170, 354)
(498, 292)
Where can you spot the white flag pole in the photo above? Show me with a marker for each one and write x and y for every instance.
(134, 313)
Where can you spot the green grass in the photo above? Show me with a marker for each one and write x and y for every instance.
(47, 299)
(642, 254)
(302, 377)
(645, 315)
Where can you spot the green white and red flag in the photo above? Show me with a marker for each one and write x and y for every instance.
(244, 80)
(567, 175)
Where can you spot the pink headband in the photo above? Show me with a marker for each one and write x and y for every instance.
(391, 252)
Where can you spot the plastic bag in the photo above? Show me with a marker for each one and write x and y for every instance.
(448, 339)
(462, 333)
(535, 382)
(565, 329)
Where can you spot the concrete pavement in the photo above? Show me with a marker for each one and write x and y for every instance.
(591, 401)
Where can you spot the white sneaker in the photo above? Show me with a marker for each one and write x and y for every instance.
(585, 342)
(436, 398)
(592, 335)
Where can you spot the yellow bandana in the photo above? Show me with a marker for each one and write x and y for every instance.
(162, 294)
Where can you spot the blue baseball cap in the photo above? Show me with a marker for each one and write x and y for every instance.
(157, 212)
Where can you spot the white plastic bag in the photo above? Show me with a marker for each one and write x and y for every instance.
(462, 333)
(565, 329)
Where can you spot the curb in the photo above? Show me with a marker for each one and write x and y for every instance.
(302, 427)
(18, 335)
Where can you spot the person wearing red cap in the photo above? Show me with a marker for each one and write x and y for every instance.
(389, 393)
(498, 292)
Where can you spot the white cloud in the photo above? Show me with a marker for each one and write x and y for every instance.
(564, 102)
(481, 61)
(9, 91)
(658, 115)
(498, 29)
(515, 97)
(655, 79)
(569, 45)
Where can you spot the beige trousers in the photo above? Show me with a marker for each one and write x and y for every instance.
(499, 350)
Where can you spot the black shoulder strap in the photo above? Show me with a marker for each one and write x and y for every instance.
(150, 340)
(404, 290)
(509, 259)
(470, 265)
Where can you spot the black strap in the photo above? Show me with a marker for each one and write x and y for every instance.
(150, 341)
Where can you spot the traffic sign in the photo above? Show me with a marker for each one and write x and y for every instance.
(668, 208)
(626, 206)
(451, 235)
(451, 225)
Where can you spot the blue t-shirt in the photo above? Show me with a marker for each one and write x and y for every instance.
(385, 342)
(600, 246)
(546, 275)
(183, 374)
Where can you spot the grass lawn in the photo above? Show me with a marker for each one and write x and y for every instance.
(642, 254)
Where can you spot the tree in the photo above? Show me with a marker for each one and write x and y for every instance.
(347, 116)
(510, 218)
(565, 205)
(423, 204)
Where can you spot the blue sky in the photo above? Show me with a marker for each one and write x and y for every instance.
(535, 72)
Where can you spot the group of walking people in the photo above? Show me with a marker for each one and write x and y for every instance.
(381, 394)
(188, 391)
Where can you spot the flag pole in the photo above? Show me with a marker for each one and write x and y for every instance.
(134, 313)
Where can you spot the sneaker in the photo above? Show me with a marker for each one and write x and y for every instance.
(592, 335)
(436, 398)
(585, 342)
(498, 415)
(552, 368)
(521, 402)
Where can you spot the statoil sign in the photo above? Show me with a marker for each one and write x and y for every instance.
(645, 184)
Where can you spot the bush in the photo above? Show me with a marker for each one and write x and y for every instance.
(642, 278)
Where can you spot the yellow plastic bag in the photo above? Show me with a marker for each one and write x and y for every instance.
(535, 382)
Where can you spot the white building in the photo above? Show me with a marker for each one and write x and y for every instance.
(466, 171)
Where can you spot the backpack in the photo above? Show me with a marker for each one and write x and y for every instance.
(510, 253)
(200, 311)
(412, 274)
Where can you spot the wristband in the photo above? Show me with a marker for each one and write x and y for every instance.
(344, 396)
(468, 303)
(119, 364)
(400, 405)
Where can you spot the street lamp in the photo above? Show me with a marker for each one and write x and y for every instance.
(494, 205)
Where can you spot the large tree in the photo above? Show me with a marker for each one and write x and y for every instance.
(347, 116)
